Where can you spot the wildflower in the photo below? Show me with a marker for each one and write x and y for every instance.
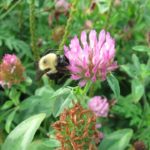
(76, 129)
(99, 106)
(139, 145)
(88, 24)
(62, 5)
(9, 59)
(11, 70)
(93, 60)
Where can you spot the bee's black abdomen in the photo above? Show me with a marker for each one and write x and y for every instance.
(58, 77)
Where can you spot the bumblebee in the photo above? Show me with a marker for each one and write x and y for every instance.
(53, 65)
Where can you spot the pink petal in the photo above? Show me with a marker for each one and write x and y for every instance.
(103, 73)
(83, 38)
(94, 78)
(87, 74)
(112, 66)
(92, 38)
(66, 49)
(101, 38)
(74, 69)
(82, 83)
(75, 77)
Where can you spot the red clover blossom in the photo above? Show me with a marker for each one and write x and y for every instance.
(91, 58)
(11, 70)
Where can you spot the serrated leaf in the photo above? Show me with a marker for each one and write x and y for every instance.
(117, 140)
(22, 135)
(114, 85)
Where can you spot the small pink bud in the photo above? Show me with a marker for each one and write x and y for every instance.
(99, 106)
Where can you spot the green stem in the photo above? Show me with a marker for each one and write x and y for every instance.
(72, 11)
(9, 10)
(145, 110)
(32, 31)
(20, 18)
(87, 87)
(109, 14)
(91, 90)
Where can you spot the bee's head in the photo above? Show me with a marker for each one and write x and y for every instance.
(46, 63)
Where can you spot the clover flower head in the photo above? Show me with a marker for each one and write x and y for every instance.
(61, 5)
(91, 57)
(9, 59)
(11, 71)
(76, 129)
(99, 106)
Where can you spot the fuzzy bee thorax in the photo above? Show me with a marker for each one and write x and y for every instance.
(48, 62)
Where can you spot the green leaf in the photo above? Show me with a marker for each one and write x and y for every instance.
(52, 143)
(1, 42)
(137, 64)
(117, 140)
(141, 48)
(7, 105)
(137, 90)
(114, 85)
(45, 90)
(9, 120)
(22, 135)
(7, 3)
(4, 114)
(63, 102)
(127, 68)
(44, 144)
(43, 101)
(14, 95)
(34, 105)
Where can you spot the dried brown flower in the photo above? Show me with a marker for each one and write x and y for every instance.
(139, 145)
(11, 71)
(76, 129)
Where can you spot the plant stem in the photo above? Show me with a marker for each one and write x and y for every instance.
(20, 19)
(91, 92)
(109, 14)
(9, 10)
(72, 11)
(32, 31)
(87, 87)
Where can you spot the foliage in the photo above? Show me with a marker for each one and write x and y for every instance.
(117, 140)
(28, 109)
